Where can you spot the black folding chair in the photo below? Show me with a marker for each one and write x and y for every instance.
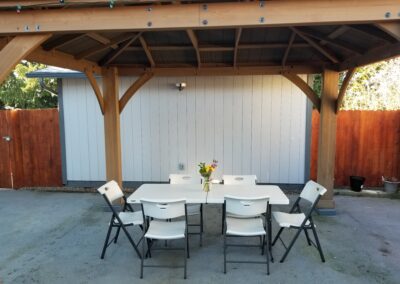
(300, 221)
(126, 218)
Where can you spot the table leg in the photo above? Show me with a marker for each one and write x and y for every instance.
(269, 220)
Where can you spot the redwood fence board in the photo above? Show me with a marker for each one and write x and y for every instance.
(35, 153)
(367, 144)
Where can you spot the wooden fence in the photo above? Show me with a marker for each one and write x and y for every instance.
(367, 144)
(32, 157)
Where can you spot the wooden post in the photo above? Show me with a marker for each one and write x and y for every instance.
(327, 137)
(112, 125)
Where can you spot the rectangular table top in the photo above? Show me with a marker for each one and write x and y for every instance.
(193, 193)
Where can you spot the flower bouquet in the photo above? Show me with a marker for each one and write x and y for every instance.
(206, 172)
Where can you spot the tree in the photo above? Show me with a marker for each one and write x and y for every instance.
(18, 91)
(373, 87)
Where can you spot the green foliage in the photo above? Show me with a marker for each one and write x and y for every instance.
(17, 91)
(373, 87)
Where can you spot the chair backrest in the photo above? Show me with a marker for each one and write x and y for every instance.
(184, 179)
(239, 179)
(163, 209)
(246, 206)
(312, 191)
(111, 190)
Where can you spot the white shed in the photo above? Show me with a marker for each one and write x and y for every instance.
(251, 124)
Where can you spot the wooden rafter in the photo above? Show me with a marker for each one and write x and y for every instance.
(195, 44)
(133, 89)
(334, 42)
(289, 46)
(61, 41)
(237, 40)
(96, 49)
(96, 89)
(316, 46)
(109, 57)
(374, 33)
(343, 88)
(17, 49)
(374, 55)
(190, 16)
(60, 59)
(336, 33)
(147, 51)
(302, 85)
(392, 29)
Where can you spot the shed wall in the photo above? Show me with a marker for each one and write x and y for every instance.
(250, 124)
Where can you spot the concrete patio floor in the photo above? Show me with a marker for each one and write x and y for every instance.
(49, 237)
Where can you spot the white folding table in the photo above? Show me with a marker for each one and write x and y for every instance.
(194, 194)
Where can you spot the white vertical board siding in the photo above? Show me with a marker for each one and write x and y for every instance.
(250, 124)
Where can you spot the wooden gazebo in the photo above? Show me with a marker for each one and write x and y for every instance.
(170, 38)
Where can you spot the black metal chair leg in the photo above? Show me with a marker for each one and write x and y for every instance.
(187, 246)
(318, 244)
(223, 219)
(131, 241)
(267, 252)
(186, 253)
(225, 253)
(142, 259)
(117, 235)
(307, 236)
(201, 225)
(277, 236)
(291, 245)
(106, 241)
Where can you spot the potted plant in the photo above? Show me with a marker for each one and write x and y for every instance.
(390, 184)
(206, 171)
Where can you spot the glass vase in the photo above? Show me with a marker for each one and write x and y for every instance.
(206, 184)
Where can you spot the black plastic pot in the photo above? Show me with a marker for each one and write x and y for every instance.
(356, 183)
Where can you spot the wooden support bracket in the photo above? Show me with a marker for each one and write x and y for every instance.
(96, 89)
(343, 88)
(133, 89)
(17, 49)
(302, 85)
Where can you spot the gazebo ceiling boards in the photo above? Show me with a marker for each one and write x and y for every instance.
(216, 36)
(184, 38)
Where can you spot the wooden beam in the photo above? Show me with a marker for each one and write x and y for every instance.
(109, 57)
(133, 89)
(289, 46)
(237, 39)
(96, 49)
(220, 71)
(314, 44)
(112, 125)
(369, 31)
(96, 89)
(61, 41)
(336, 33)
(16, 50)
(343, 88)
(327, 137)
(371, 56)
(60, 59)
(391, 28)
(195, 44)
(190, 16)
(303, 86)
(334, 42)
(147, 51)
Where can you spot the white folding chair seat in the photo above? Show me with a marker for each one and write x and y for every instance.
(120, 220)
(192, 209)
(162, 230)
(288, 220)
(300, 221)
(130, 218)
(245, 227)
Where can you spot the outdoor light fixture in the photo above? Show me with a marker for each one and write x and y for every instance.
(181, 86)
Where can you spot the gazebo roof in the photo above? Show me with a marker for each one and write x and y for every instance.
(209, 47)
